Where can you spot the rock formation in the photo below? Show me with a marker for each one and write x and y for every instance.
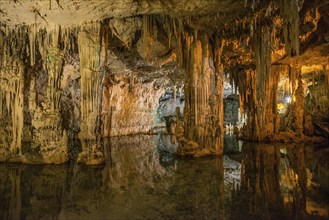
(90, 70)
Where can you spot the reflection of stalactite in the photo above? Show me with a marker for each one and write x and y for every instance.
(297, 162)
(260, 180)
(132, 156)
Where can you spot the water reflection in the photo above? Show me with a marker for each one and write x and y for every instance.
(137, 182)
(276, 184)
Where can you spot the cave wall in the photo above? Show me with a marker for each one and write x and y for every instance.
(109, 94)
(56, 87)
(130, 107)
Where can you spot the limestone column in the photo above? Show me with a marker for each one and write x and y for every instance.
(91, 64)
(203, 112)
(298, 107)
(48, 134)
(11, 102)
(258, 91)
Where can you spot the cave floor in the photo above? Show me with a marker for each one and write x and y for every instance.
(138, 181)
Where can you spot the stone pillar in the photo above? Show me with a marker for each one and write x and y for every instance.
(48, 134)
(258, 91)
(203, 113)
(91, 63)
(11, 109)
(298, 107)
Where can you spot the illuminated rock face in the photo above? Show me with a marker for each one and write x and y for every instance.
(126, 61)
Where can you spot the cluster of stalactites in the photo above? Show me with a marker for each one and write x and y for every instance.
(12, 53)
(176, 33)
(147, 32)
(43, 38)
(13, 44)
(258, 87)
(31, 43)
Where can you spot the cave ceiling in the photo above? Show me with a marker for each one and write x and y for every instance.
(233, 20)
(76, 12)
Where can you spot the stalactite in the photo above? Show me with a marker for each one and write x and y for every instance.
(147, 34)
(175, 93)
(32, 39)
(262, 48)
(289, 13)
(298, 106)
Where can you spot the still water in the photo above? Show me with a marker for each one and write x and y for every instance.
(143, 180)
